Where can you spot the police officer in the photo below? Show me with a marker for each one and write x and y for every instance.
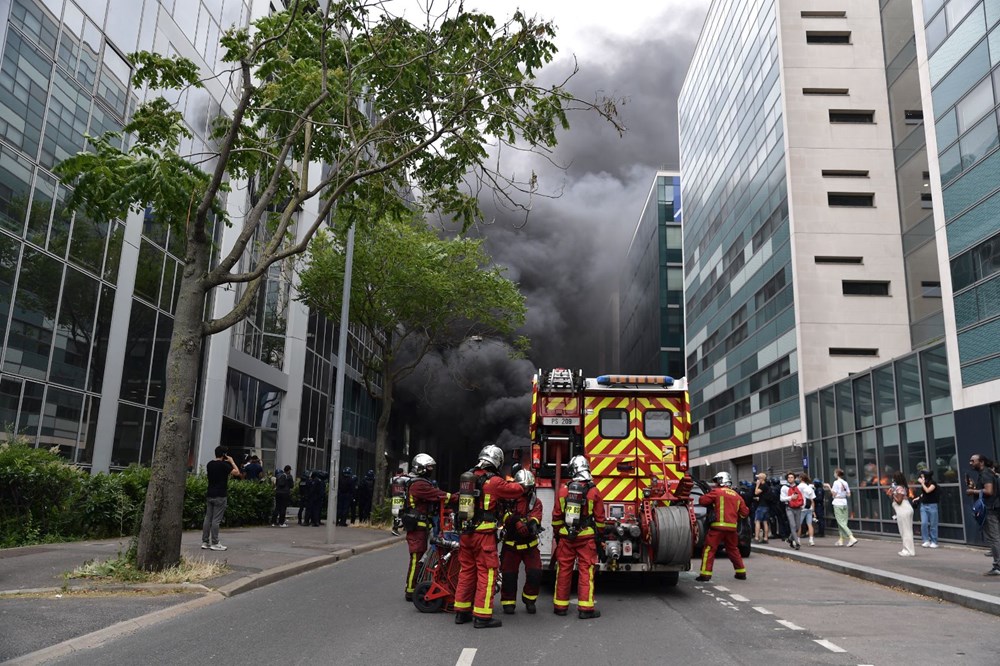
(521, 523)
(421, 505)
(729, 509)
(346, 492)
(483, 488)
(577, 518)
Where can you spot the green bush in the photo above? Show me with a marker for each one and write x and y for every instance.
(382, 512)
(36, 488)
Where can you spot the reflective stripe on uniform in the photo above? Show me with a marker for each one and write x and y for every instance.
(487, 610)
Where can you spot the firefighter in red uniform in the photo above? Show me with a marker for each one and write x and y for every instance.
(482, 490)
(577, 518)
(729, 508)
(522, 523)
(421, 504)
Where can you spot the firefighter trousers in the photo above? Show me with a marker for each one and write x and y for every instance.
(416, 542)
(727, 538)
(510, 563)
(584, 552)
(477, 556)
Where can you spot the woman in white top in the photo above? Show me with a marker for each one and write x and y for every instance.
(841, 491)
(809, 510)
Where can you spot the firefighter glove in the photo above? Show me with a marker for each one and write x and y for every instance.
(522, 529)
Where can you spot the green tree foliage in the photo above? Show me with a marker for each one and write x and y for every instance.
(413, 291)
(384, 104)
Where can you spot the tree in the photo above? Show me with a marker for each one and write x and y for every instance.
(382, 103)
(413, 291)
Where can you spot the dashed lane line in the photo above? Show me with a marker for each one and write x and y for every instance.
(762, 610)
(465, 659)
(829, 646)
(738, 597)
(790, 625)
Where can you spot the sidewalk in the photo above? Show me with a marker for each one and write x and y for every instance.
(952, 573)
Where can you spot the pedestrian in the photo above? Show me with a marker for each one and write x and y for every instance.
(477, 552)
(423, 501)
(366, 489)
(577, 519)
(282, 496)
(315, 499)
(809, 507)
(304, 498)
(904, 513)
(729, 509)
(928, 501)
(986, 483)
(762, 516)
(819, 509)
(218, 472)
(253, 470)
(346, 491)
(793, 500)
(521, 523)
(841, 492)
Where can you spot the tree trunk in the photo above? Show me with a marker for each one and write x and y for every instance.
(381, 443)
(162, 520)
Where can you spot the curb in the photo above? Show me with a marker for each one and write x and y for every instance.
(180, 588)
(986, 603)
(210, 597)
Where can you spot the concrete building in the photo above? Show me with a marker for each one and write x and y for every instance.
(651, 294)
(86, 310)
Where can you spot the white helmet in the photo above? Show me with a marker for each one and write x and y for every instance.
(723, 479)
(423, 465)
(491, 456)
(579, 469)
(526, 479)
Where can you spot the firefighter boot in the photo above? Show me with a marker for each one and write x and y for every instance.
(741, 576)
(462, 618)
(590, 614)
(530, 607)
(703, 578)
(508, 609)
(409, 596)
(487, 623)
(560, 611)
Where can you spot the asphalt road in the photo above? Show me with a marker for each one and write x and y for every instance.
(353, 613)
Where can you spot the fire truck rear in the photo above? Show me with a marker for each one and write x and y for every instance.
(633, 431)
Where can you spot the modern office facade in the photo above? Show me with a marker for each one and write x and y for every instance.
(86, 309)
(651, 293)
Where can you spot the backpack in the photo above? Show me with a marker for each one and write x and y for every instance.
(795, 498)
(979, 510)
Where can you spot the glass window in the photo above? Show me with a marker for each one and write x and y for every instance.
(974, 67)
(88, 435)
(828, 412)
(658, 423)
(936, 32)
(868, 505)
(812, 416)
(849, 459)
(942, 446)
(864, 413)
(845, 407)
(974, 105)
(128, 436)
(86, 248)
(956, 11)
(113, 84)
(913, 450)
(41, 209)
(149, 437)
(61, 419)
(947, 129)
(10, 403)
(869, 459)
(148, 272)
(10, 250)
(115, 252)
(123, 23)
(937, 391)
(74, 334)
(101, 333)
(979, 141)
(888, 453)
(15, 186)
(614, 423)
(138, 353)
(908, 388)
(66, 123)
(831, 458)
(31, 410)
(885, 399)
(30, 339)
(951, 164)
(161, 350)
(59, 228)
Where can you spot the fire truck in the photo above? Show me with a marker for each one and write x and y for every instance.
(633, 430)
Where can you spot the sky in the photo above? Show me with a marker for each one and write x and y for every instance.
(568, 255)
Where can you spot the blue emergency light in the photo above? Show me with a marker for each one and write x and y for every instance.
(661, 380)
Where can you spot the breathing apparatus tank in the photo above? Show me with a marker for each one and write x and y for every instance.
(466, 496)
(398, 495)
(576, 496)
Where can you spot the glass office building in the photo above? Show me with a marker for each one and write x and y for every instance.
(651, 297)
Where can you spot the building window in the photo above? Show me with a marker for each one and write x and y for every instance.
(865, 288)
(930, 289)
(852, 199)
(825, 91)
(839, 260)
(853, 351)
(852, 116)
(925, 200)
(828, 36)
(845, 173)
(913, 117)
(824, 13)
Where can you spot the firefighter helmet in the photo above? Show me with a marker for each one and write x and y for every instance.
(526, 479)
(423, 465)
(490, 456)
(579, 468)
(723, 479)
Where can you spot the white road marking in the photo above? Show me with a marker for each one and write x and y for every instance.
(721, 589)
(830, 646)
(738, 597)
(468, 654)
(762, 610)
(789, 625)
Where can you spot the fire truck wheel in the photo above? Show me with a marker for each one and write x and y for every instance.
(671, 535)
(422, 604)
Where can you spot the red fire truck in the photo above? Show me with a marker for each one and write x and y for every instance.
(633, 431)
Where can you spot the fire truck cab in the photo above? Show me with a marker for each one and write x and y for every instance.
(633, 430)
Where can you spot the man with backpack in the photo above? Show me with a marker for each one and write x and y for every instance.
(793, 500)
(282, 496)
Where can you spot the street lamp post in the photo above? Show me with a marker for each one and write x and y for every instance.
(338, 400)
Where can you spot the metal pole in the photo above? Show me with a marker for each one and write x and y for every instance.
(338, 400)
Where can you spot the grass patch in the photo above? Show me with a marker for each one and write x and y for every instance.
(120, 570)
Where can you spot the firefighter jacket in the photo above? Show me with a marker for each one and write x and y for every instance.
(495, 489)
(424, 498)
(729, 508)
(530, 517)
(591, 514)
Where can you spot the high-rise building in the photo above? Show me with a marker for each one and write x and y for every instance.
(86, 310)
(651, 315)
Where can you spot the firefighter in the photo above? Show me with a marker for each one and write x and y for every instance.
(481, 491)
(421, 504)
(729, 508)
(577, 518)
(521, 524)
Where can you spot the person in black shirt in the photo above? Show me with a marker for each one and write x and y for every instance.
(283, 482)
(987, 485)
(928, 509)
(218, 471)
